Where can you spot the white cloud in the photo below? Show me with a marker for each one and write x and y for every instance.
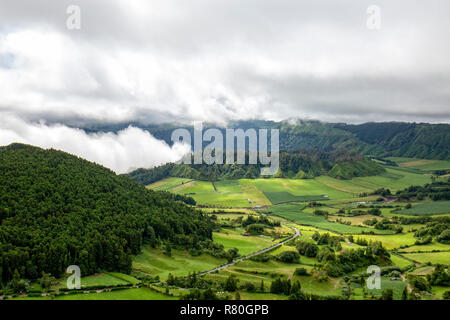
(128, 149)
(223, 60)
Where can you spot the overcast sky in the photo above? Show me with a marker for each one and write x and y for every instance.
(218, 60)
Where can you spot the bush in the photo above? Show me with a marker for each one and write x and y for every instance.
(301, 272)
(307, 248)
(289, 257)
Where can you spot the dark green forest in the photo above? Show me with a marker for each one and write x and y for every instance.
(400, 139)
(57, 209)
(301, 164)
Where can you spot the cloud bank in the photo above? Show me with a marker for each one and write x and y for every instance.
(129, 149)
(160, 60)
(200, 60)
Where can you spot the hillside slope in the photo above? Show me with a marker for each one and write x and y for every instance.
(400, 139)
(302, 164)
(57, 209)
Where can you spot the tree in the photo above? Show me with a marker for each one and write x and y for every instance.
(300, 272)
(289, 257)
(237, 296)
(387, 294)
(168, 250)
(231, 283)
(18, 285)
(405, 293)
(232, 254)
(46, 280)
(261, 286)
(446, 295)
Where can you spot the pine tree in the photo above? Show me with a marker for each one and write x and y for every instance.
(405, 293)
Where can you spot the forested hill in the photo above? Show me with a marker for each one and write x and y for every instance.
(339, 164)
(57, 210)
(415, 140)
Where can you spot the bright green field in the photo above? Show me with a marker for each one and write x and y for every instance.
(125, 294)
(168, 183)
(154, 262)
(391, 241)
(397, 286)
(399, 261)
(246, 244)
(422, 164)
(254, 272)
(299, 187)
(296, 213)
(393, 179)
(427, 209)
(246, 193)
(283, 197)
(227, 194)
(427, 247)
(103, 279)
(433, 257)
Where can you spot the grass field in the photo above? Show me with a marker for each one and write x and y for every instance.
(246, 244)
(400, 261)
(102, 279)
(433, 257)
(356, 220)
(283, 197)
(245, 193)
(422, 164)
(296, 213)
(299, 187)
(168, 183)
(391, 241)
(154, 262)
(125, 294)
(393, 179)
(280, 198)
(427, 247)
(427, 209)
(396, 285)
(225, 193)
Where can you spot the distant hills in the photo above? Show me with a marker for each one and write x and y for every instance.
(339, 164)
(383, 139)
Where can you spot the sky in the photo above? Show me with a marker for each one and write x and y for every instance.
(213, 60)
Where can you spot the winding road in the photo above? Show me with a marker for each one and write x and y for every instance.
(297, 233)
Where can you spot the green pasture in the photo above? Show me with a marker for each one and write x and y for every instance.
(124, 294)
(246, 244)
(168, 184)
(396, 285)
(155, 263)
(427, 209)
(296, 213)
(400, 261)
(283, 197)
(391, 241)
(433, 257)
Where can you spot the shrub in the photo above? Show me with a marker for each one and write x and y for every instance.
(289, 257)
(301, 272)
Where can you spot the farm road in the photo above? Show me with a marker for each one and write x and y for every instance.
(297, 233)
